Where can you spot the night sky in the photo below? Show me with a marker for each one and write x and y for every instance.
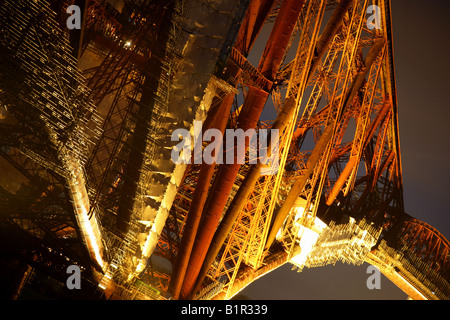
(421, 51)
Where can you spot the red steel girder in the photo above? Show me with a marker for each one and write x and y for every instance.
(251, 110)
(427, 243)
(198, 201)
(255, 16)
(251, 25)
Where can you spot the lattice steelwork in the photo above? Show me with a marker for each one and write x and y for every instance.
(85, 135)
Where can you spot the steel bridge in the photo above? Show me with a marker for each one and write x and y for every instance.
(87, 116)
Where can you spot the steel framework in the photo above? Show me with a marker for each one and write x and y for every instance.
(85, 137)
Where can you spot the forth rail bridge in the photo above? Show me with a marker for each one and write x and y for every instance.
(86, 122)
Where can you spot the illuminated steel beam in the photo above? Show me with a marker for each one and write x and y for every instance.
(299, 185)
(248, 117)
(216, 245)
(241, 197)
(358, 142)
(194, 80)
(253, 21)
(198, 201)
(247, 275)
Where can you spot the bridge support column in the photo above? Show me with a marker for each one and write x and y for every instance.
(198, 201)
(251, 110)
(240, 198)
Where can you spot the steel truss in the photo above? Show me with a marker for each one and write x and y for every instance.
(87, 137)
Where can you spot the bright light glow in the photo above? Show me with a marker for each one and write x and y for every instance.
(89, 227)
(319, 225)
(409, 285)
(128, 43)
(91, 236)
(307, 236)
(308, 239)
(299, 212)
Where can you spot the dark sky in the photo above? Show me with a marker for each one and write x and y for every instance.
(421, 51)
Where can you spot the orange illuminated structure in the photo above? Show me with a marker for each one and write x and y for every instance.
(86, 126)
